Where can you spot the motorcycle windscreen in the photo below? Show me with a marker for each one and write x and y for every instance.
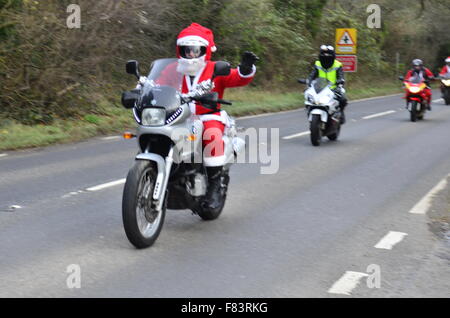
(416, 79)
(160, 96)
(320, 84)
(164, 72)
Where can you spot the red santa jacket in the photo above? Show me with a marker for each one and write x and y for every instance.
(445, 70)
(234, 79)
(425, 73)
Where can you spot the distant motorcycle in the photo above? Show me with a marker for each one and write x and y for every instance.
(445, 88)
(166, 174)
(324, 114)
(416, 101)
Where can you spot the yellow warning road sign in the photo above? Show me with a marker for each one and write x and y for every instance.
(346, 41)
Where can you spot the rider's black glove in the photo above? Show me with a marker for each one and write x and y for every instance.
(247, 62)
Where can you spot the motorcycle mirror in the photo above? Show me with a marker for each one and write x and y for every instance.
(401, 78)
(132, 68)
(302, 81)
(129, 98)
(222, 68)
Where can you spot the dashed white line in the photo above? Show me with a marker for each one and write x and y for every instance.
(438, 100)
(301, 108)
(390, 239)
(305, 133)
(372, 98)
(3, 155)
(106, 185)
(110, 138)
(347, 283)
(424, 204)
(380, 114)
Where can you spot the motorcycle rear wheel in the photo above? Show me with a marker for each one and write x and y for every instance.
(335, 136)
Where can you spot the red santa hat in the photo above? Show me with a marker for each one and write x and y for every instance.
(195, 34)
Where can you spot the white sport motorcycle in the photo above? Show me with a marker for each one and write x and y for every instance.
(168, 172)
(324, 114)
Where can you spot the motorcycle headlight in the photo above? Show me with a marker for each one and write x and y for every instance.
(324, 100)
(153, 117)
(414, 90)
(310, 99)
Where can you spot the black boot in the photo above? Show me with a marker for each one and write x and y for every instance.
(213, 195)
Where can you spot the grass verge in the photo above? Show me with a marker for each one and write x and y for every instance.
(246, 101)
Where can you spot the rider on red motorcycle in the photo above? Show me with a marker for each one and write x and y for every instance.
(425, 74)
(446, 69)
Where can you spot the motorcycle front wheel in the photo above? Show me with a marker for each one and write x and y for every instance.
(316, 132)
(413, 111)
(141, 221)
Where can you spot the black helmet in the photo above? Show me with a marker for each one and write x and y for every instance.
(327, 56)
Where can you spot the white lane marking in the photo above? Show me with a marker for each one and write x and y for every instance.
(302, 108)
(3, 155)
(111, 138)
(380, 114)
(68, 195)
(106, 185)
(438, 100)
(305, 133)
(390, 239)
(347, 283)
(424, 204)
(373, 98)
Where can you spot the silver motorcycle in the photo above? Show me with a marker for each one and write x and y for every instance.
(168, 172)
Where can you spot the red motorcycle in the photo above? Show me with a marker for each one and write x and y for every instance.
(416, 97)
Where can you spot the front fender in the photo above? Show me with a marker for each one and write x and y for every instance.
(161, 165)
(323, 115)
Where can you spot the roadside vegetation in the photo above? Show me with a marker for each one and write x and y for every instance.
(63, 85)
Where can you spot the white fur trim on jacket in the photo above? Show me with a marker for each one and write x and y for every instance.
(214, 161)
(223, 118)
(249, 75)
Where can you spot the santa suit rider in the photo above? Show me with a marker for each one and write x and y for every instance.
(446, 69)
(195, 45)
(445, 72)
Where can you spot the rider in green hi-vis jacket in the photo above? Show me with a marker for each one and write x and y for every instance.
(330, 68)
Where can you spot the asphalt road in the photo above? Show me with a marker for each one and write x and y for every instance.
(321, 226)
